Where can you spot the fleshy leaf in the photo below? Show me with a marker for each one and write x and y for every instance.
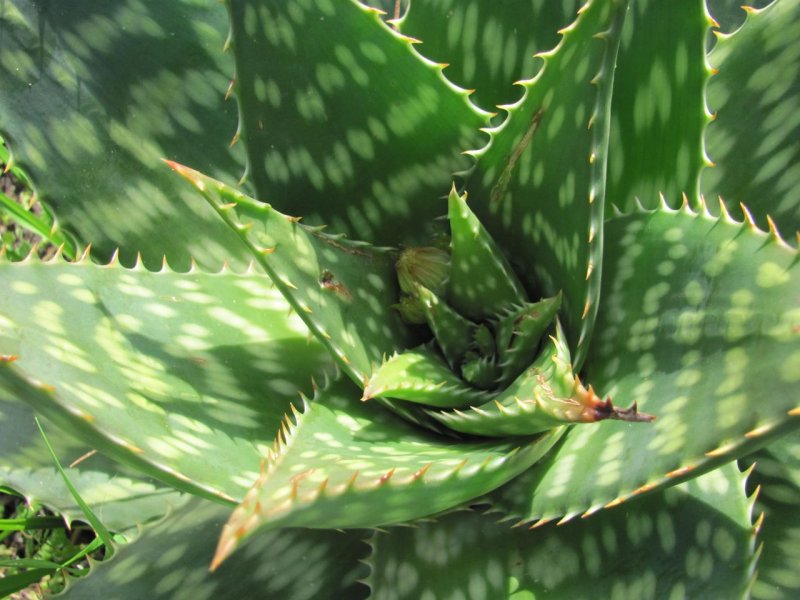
(539, 186)
(519, 333)
(730, 14)
(546, 395)
(381, 128)
(171, 559)
(453, 333)
(184, 376)
(713, 355)
(343, 290)
(420, 375)
(481, 371)
(481, 282)
(658, 115)
(344, 463)
(488, 45)
(754, 141)
(693, 541)
(778, 497)
(121, 500)
(94, 94)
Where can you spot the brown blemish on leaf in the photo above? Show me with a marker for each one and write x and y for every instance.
(499, 189)
(328, 282)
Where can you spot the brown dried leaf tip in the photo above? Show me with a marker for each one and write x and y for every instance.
(605, 409)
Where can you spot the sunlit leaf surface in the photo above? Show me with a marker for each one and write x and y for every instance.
(343, 463)
(376, 153)
(539, 186)
(755, 139)
(694, 347)
(488, 44)
(659, 88)
(171, 560)
(694, 541)
(95, 93)
(185, 375)
(120, 498)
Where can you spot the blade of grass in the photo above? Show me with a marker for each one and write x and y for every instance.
(19, 581)
(28, 523)
(29, 563)
(5, 158)
(95, 544)
(28, 220)
(98, 527)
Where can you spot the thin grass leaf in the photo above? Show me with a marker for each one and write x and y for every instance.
(98, 527)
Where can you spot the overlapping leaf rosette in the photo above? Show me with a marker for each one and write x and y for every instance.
(454, 339)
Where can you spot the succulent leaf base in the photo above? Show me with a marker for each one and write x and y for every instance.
(492, 312)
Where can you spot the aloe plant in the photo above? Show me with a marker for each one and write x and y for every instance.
(519, 306)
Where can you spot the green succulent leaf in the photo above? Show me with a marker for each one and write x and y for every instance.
(481, 283)
(778, 495)
(539, 186)
(157, 369)
(786, 453)
(453, 333)
(343, 290)
(121, 500)
(519, 333)
(170, 560)
(422, 376)
(376, 152)
(343, 463)
(659, 89)
(89, 121)
(546, 395)
(709, 338)
(730, 14)
(754, 141)
(692, 541)
(487, 44)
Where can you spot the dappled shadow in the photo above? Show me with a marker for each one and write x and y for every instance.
(291, 563)
(96, 94)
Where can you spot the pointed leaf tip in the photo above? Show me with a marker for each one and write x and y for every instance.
(187, 173)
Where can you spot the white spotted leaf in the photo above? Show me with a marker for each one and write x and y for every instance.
(487, 45)
(345, 291)
(539, 185)
(341, 463)
(355, 130)
(481, 284)
(422, 376)
(754, 140)
(171, 558)
(121, 498)
(659, 89)
(547, 394)
(183, 376)
(700, 318)
(775, 480)
(692, 541)
(730, 14)
(90, 104)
